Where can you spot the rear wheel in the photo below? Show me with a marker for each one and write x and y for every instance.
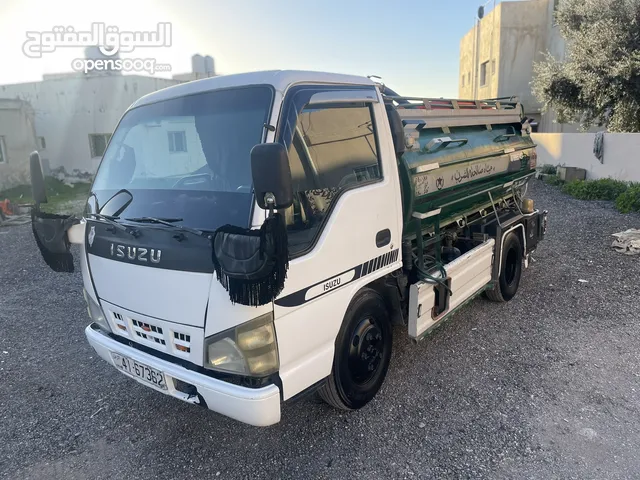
(510, 270)
(362, 355)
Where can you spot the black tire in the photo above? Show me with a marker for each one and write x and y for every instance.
(362, 354)
(510, 270)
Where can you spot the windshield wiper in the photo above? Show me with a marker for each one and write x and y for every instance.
(169, 222)
(112, 221)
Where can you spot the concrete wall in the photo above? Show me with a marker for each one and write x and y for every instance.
(512, 35)
(467, 46)
(523, 32)
(69, 108)
(522, 42)
(19, 139)
(621, 157)
(481, 44)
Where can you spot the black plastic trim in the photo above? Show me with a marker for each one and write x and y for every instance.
(383, 238)
(193, 254)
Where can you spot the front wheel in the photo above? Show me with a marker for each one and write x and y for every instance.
(510, 270)
(362, 355)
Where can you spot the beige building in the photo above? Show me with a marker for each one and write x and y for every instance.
(497, 55)
(17, 141)
(74, 115)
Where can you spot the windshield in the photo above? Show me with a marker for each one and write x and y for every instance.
(188, 157)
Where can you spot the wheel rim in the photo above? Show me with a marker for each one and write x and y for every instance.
(511, 266)
(366, 350)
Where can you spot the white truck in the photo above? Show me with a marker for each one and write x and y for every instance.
(396, 211)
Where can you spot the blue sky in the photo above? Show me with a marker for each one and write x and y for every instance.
(413, 47)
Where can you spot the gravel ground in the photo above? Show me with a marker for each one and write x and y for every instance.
(545, 386)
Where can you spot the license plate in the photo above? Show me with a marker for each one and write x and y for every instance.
(139, 370)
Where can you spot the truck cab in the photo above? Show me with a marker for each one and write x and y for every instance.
(184, 153)
(179, 167)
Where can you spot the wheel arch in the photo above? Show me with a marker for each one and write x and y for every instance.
(388, 288)
(517, 227)
(364, 338)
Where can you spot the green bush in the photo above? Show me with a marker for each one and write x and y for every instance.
(629, 200)
(553, 180)
(602, 189)
(548, 169)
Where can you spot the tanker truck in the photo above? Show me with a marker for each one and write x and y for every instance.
(251, 238)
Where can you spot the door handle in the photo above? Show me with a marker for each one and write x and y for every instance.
(383, 237)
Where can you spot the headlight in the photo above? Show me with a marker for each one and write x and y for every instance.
(248, 349)
(95, 312)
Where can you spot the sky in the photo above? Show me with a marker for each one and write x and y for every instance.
(414, 47)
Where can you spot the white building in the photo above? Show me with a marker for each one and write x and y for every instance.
(17, 141)
(75, 113)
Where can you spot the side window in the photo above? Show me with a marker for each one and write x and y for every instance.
(333, 149)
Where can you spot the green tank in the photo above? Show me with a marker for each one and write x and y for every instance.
(461, 158)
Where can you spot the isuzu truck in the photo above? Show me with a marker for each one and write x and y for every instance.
(251, 238)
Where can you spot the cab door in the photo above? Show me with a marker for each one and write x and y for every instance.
(345, 225)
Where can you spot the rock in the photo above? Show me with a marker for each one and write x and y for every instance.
(588, 433)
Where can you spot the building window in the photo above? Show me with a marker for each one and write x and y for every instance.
(98, 143)
(177, 141)
(463, 80)
(3, 151)
(483, 73)
(41, 143)
(469, 78)
(334, 148)
(493, 67)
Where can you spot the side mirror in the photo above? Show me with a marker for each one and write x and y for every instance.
(37, 179)
(271, 175)
(117, 203)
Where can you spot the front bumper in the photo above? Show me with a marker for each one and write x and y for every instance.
(255, 406)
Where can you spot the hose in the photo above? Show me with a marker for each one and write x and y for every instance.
(427, 278)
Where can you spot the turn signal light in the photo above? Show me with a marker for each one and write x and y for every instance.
(533, 160)
(527, 205)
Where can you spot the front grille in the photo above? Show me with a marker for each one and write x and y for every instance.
(120, 322)
(182, 342)
(148, 332)
(151, 334)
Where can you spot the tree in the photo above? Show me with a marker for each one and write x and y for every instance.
(598, 83)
